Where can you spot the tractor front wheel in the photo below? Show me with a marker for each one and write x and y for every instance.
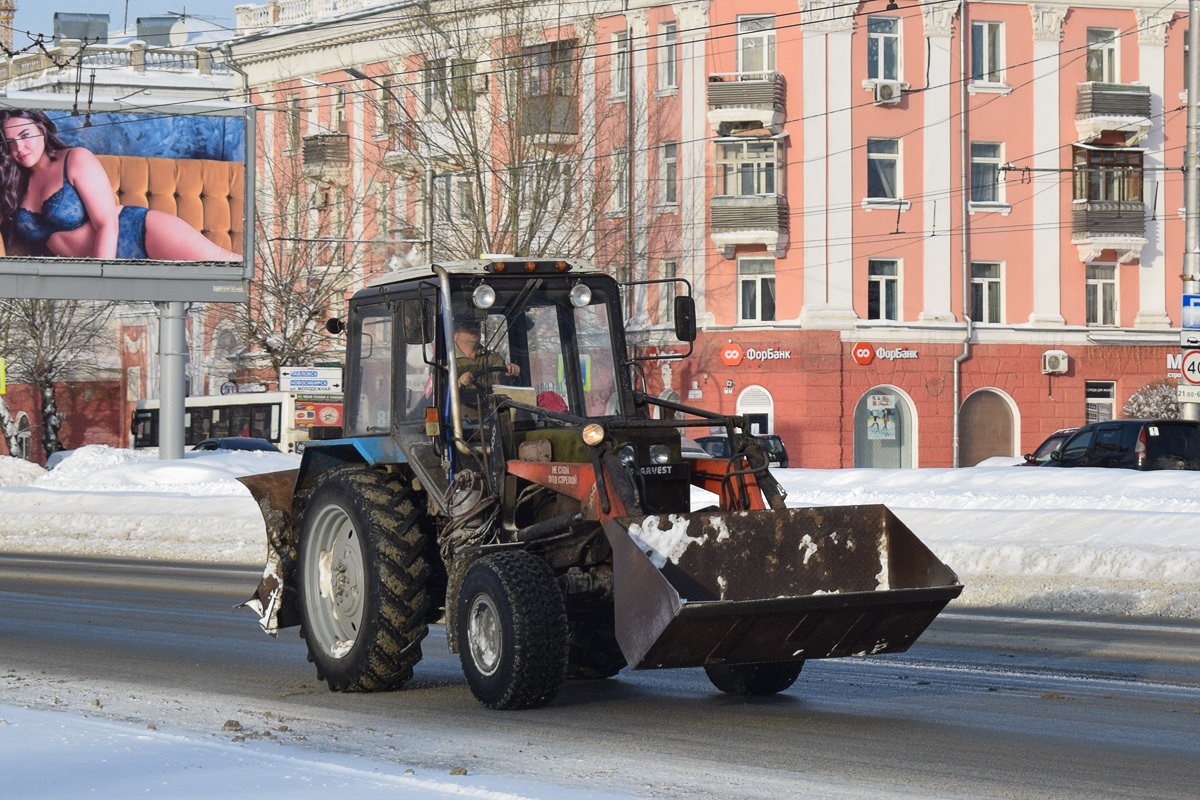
(512, 631)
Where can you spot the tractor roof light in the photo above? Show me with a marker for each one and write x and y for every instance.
(484, 296)
(581, 295)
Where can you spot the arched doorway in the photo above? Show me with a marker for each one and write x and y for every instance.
(758, 407)
(885, 429)
(24, 437)
(985, 427)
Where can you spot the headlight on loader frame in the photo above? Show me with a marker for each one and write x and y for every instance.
(592, 434)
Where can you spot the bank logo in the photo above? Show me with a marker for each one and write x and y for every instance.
(732, 354)
(863, 353)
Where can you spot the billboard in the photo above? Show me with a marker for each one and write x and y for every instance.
(122, 202)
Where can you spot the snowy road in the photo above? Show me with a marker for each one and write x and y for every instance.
(986, 705)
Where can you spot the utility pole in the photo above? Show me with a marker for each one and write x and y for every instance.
(1189, 392)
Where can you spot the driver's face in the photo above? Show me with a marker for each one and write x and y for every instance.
(467, 342)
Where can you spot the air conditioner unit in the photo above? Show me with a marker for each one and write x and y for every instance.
(1054, 362)
(887, 93)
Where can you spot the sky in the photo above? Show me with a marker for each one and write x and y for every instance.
(39, 17)
(1089, 541)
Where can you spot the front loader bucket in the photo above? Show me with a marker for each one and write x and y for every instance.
(724, 587)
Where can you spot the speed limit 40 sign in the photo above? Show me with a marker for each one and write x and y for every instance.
(1191, 367)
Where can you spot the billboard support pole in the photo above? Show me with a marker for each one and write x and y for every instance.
(172, 356)
(1191, 179)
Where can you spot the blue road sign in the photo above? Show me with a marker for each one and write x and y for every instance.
(1191, 311)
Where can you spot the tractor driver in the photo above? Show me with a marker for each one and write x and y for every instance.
(473, 366)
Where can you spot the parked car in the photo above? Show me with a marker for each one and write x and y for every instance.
(1132, 444)
(236, 443)
(692, 449)
(1046, 449)
(777, 455)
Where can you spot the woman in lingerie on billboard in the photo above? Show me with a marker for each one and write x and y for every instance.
(60, 196)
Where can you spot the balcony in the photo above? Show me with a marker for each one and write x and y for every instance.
(746, 97)
(1099, 225)
(1121, 107)
(750, 219)
(553, 118)
(327, 158)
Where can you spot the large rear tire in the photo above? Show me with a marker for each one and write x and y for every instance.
(362, 575)
(754, 679)
(512, 631)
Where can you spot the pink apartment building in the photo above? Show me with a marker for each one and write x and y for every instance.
(842, 185)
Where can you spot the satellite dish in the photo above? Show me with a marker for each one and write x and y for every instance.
(178, 35)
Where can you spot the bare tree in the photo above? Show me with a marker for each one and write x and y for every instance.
(502, 102)
(49, 342)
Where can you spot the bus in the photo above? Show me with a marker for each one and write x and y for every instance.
(285, 419)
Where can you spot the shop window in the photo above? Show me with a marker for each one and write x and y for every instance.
(1101, 398)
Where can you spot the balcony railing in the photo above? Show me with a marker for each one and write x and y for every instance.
(327, 157)
(739, 97)
(749, 219)
(64, 58)
(549, 116)
(254, 18)
(1107, 218)
(1101, 107)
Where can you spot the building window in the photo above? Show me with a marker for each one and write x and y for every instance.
(1101, 62)
(985, 292)
(666, 291)
(1108, 174)
(620, 181)
(462, 93)
(986, 160)
(987, 52)
(883, 169)
(883, 289)
(549, 69)
(1101, 398)
(668, 65)
(453, 199)
(1101, 294)
(383, 211)
(747, 167)
(434, 84)
(386, 116)
(756, 290)
(293, 123)
(756, 43)
(669, 169)
(883, 48)
(620, 64)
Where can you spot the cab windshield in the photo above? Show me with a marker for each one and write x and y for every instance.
(563, 355)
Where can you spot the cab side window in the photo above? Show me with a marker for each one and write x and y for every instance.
(419, 384)
(371, 347)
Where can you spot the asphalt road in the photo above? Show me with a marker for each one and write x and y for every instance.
(987, 704)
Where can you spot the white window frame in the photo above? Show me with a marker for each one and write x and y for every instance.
(881, 160)
(668, 64)
(435, 85)
(1100, 409)
(668, 168)
(337, 110)
(994, 162)
(753, 32)
(620, 65)
(881, 42)
(887, 288)
(735, 156)
(454, 199)
(1102, 44)
(1101, 295)
(987, 53)
(757, 279)
(985, 287)
(295, 128)
(668, 269)
(619, 201)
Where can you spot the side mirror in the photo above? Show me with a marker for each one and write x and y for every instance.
(335, 326)
(1056, 456)
(685, 318)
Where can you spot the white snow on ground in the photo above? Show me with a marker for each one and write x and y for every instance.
(1081, 540)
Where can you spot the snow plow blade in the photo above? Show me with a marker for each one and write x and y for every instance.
(273, 492)
(719, 587)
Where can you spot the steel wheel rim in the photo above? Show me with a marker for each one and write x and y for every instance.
(334, 579)
(484, 635)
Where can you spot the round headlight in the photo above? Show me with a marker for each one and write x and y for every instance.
(484, 296)
(659, 454)
(581, 295)
(592, 434)
(627, 455)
